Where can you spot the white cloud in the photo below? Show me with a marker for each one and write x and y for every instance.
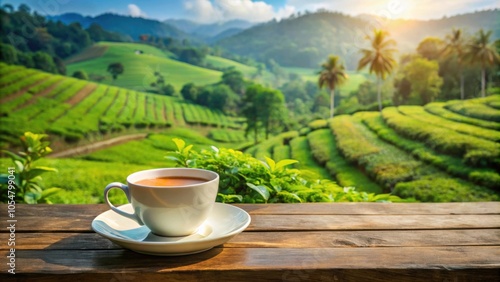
(202, 10)
(135, 11)
(224, 10)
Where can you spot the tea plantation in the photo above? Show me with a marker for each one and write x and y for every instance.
(444, 151)
(76, 109)
(438, 153)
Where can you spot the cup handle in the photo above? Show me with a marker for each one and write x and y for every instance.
(125, 189)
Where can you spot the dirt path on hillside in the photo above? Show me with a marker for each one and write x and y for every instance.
(86, 149)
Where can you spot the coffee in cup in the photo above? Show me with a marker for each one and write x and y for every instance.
(169, 201)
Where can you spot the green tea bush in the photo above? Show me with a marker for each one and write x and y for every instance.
(179, 114)
(476, 108)
(281, 152)
(384, 163)
(304, 131)
(10, 106)
(6, 69)
(453, 165)
(473, 150)
(50, 81)
(318, 124)
(443, 190)
(438, 109)
(246, 179)
(320, 144)
(420, 114)
(27, 78)
(323, 148)
(301, 151)
(350, 141)
(494, 104)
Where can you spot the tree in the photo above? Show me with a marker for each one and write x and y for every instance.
(44, 61)
(424, 79)
(366, 93)
(430, 48)
(264, 108)
(192, 56)
(234, 79)
(454, 46)
(481, 52)
(273, 109)
(8, 54)
(190, 92)
(251, 110)
(168, 90)
(80, 74)
(403, 90)
(115, 69)
(222, 98)
(332, 74)
(380, 58)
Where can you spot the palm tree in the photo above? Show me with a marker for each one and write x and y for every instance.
(455, 46)
(481, 51)
(332, 74)
(380, 58)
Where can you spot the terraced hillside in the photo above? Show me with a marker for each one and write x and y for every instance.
(71, 108)
(440, 152)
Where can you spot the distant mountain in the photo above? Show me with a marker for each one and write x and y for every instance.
(210, 31)
(131, 26)
(307, 40)
(185, 25)
(224, 34)
(85, 21)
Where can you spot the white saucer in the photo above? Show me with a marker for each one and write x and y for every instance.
(224, 222)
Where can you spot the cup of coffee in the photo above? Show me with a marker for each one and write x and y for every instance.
(169, 201)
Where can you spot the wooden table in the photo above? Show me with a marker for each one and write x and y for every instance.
(285, 242)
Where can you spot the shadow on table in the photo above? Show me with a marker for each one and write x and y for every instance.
(91, 252)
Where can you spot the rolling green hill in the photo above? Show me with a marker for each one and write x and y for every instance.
(306, 40)
(75, 109)
(140, 68)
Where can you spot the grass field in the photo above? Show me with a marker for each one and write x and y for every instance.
(220, 62)
(140, 68)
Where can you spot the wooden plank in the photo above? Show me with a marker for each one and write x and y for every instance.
(302, 239)
(310, 208)
(372, 222)
(294, 222)
(320, 275)
(259, 259)
(374, 208)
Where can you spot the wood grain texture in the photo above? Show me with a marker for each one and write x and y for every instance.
(276, 209)
(285, 242)
(263, 259)
(268, 222)
(300, 239)
(320, 275)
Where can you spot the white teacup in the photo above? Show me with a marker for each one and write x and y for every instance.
(170, 209)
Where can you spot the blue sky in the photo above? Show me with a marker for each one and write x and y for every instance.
(256, 10)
